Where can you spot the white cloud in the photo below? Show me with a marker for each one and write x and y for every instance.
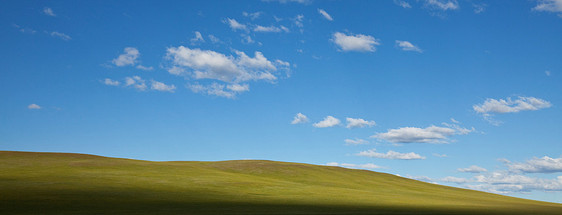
(407, 46)
(275, 29)
(228, 91)
(247, 39)
(479, 8)
(358, 123)
(128, 58)
(252, 16)
(136, 82)
(511, 181)
(403, 4)
(391, 155)
(356, 141)
(214, 39)
(277, 19)
(159, 86)
(328, 121)
(49, 12)
(235, 25)
(24, 30)
(452, 179)
(431, 134)
(358, 42)
(459, 130)
(510, 106)
(283, 63)
(60, 35)
(538, 165)
(110, 82)
(422, 178)
(472, 169)
(141, 67)
(198, 38)
(554, 6)
(287, 1)
(440, 155)
(238, 88)
(355, 166)
(325, 14)
(299, 118)
(33, 107)
(207, 64)
(505, 182)
(298, 21)
(257, 62)
(547, 73)
(443, 4)
(175, 70)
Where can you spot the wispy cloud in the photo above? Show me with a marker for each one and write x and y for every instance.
(274, 29)
(198, 38)
(159, 86)
(479, 8)
(537, 165)
(24, 29)
(407, 46)
(472, 169)
(512, 181)
(136, 82)
(356, 141)
(111, 82)
(357, 42)
(289, 1)
(456, 180)
(391, 155)
(431, 134)
(48, 11)
(325, 14)
(214, 39)
(252, 16)
(228, 91)
(298, 20)
(506, 182)
(358, 123)
(553, 6)
(145, 68)
(402, 3)
(299, 118)
(60, 35)
(509, 105)
(443, 4)
(355, 166)
(235, 25)
(33, 107)
(440, 155)
(328, 121)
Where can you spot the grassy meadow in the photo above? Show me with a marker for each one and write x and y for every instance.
(62, 183)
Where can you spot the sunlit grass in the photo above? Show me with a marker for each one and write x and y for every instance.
(53, 183)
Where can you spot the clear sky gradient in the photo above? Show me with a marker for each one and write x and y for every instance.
(461, 93)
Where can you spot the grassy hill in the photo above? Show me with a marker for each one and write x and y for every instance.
(60, 183)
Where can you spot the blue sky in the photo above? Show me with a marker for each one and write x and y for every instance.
(460, 93)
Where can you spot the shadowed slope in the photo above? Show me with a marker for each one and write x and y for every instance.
(59, 183)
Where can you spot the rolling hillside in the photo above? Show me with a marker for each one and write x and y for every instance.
(60, 183)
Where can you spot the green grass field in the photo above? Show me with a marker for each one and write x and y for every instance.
(59, 183)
